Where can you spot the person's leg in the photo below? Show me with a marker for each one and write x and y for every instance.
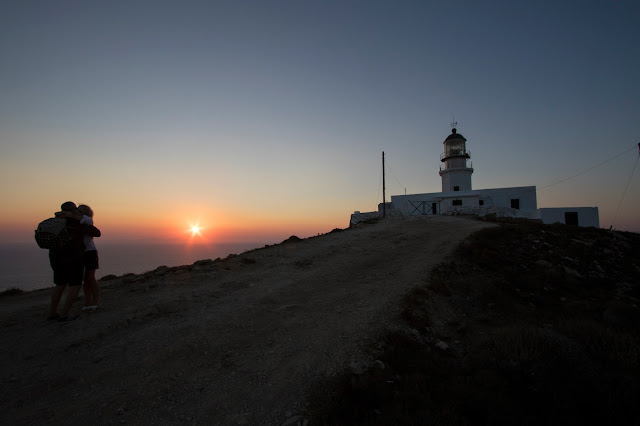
(96, 290)
(72, 295)
(87, 287)
(76, 272)
(91, 264)
(60, 280)
(55, 300)
(95, 293)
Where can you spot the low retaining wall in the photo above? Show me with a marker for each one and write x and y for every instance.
(479, 211)
(482, 211)
(363, 217)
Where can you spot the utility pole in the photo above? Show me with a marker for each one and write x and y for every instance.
(384, 204)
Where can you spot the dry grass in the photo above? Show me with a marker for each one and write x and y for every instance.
(546, 330)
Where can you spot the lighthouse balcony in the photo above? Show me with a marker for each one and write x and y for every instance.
(454, 153)
(459, 163)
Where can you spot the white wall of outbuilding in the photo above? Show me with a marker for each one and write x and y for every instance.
(413, 204)
(587, 216)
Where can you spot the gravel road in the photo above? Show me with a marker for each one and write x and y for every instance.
(237, 341)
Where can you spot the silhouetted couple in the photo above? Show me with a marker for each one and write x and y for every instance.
(74, 263)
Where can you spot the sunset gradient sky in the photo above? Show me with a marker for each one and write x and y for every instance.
(264, 119)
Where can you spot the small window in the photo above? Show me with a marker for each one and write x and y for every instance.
(481, 202)
(515, 203)
(457, 202)
(456, 188)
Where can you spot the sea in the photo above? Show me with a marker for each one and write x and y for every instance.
(26, 266)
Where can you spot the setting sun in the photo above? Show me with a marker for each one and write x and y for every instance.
(194, 229)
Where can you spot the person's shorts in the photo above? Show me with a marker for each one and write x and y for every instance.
(68, 272)
(91, 260)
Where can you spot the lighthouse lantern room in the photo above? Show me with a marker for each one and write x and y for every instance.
(455, 172)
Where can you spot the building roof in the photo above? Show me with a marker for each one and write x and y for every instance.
(455, 135)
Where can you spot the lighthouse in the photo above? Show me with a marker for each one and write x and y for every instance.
(455, 172)
(458, 198)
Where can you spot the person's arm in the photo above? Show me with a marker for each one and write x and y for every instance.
(92, 231)
(88, 228)
(69, 215)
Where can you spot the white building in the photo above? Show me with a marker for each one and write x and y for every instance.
(458, 196)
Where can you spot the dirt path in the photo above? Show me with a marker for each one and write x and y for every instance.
(238, 341)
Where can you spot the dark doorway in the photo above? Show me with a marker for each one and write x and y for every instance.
(515, 203)
(456, 188)
(571, 218)
(481, 202)
(434, 208)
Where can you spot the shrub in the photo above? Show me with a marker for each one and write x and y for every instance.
(11, 291)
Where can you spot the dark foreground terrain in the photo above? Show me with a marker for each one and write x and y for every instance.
(430, 320)
(523, 324)
(241, 340)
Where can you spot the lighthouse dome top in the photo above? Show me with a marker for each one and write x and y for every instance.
(455, 135)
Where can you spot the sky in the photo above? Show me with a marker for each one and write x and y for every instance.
(258, 120)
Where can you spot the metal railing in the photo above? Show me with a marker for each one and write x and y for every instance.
(469, 166)
(424, 208)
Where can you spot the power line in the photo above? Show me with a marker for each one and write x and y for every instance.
(392, 174)
(625, 188)
(585, 171)
(553, 184)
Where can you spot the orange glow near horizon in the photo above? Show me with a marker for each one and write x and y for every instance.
(209, 226)
(178, 225)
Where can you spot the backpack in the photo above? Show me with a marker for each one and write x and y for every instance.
(52, 233)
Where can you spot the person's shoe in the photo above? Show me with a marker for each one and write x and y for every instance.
(68, 319)
(53, 317)
(92, 308)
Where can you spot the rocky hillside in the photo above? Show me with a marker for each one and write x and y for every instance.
(523, 324)
(241, 340)
(432, 320)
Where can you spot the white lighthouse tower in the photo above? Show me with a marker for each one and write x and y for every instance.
(455, 173)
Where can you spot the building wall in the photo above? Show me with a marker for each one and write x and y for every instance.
(501, 197)
(460, 178)
(482, 211)
(495, 201)
(414, 204)
(587, 216)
